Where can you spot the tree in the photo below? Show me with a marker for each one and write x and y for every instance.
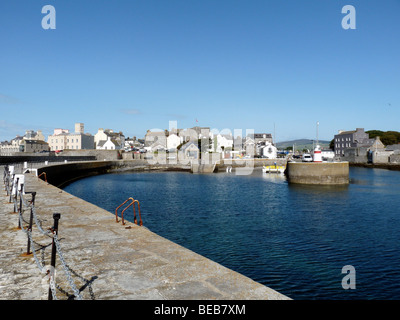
(374, 133)
(332, 144)
(387, 137)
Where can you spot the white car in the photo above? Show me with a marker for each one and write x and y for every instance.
(307, 157)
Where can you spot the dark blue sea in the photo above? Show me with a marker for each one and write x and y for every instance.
(293, 238)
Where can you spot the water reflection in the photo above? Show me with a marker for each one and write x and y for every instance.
(293, 238)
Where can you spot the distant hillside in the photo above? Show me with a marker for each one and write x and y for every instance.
(387, 137)
(301, 144)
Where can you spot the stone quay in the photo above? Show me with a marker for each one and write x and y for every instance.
(105, 259)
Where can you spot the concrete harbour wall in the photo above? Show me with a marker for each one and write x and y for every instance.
(323, 173)
(109, 260)
(62, 174)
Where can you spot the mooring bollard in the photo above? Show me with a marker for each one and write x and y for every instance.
(56, 217)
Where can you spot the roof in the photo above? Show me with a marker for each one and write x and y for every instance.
(103, 142)
(393, 147)
(261, 135)
(346, 132)
(187, 145)
(351, 131)
(35, 141)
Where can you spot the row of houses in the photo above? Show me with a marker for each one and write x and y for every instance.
(31, 141)
(353, 146)
(191, 141)
(63, 139)
(202, 139)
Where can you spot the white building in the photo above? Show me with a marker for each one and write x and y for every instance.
(109, 144)
(327, 154)
(102, 136)
(269, 151)
(223, 142)
(173, 141)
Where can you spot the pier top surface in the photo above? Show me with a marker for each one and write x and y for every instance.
(106, 260)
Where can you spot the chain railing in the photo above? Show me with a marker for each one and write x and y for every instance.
(14, 186)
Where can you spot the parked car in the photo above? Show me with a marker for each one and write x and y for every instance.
(307, 157)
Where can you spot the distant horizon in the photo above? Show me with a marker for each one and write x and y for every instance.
(72, 129)
(162, 130)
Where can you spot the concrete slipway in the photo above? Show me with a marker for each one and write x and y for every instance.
(106, 260)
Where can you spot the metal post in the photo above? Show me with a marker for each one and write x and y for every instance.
(16, 197)
(28, 249)
(56, 217)
(7, 184)
(20, 198)
(12, 186)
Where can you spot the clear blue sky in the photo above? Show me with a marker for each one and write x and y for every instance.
(135, 65)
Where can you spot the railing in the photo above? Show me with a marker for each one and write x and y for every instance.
(45, 176)
(52, 233)
(132, 203)
(15, 189)
(116, 210)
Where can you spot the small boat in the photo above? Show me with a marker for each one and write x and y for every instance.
(273, 169)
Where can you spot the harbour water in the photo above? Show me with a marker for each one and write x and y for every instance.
(292, 238)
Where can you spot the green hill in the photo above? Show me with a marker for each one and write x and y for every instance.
(301, 144)
(387, 137)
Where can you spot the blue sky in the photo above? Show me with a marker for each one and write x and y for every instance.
(136, 65)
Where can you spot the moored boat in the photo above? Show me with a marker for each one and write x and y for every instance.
(273, 169)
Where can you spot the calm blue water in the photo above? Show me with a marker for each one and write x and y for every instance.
(294, 239)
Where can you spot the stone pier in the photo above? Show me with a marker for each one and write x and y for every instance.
(106, 259)
(318, 173)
